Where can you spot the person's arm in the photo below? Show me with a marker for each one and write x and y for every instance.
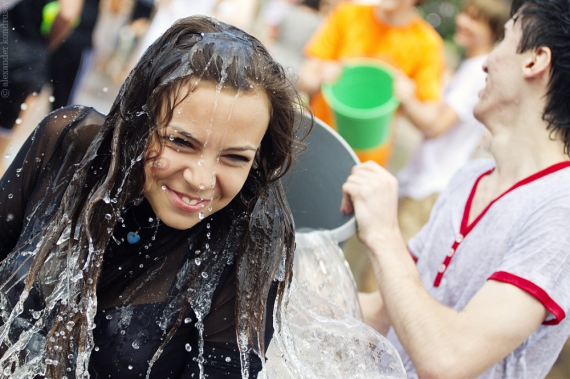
(69, 12)
(441, 342)
(25, 174)
(432, 118)
(314, 72)
(374, 312)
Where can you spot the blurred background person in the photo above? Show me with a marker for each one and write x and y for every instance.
(450, 132)
(391, 31)
(289, 25)
(128, 37)
(70, 61)
(31, 33)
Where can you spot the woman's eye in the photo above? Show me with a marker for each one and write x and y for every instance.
(238, 158)
(179, 141)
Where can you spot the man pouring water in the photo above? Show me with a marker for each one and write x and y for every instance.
(484, 289)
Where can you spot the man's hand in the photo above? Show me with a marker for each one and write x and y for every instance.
(371, 193)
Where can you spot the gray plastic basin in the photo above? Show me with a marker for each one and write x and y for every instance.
(313, 185)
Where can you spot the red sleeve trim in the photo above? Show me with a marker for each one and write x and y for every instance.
(412, 254)
(534, 290)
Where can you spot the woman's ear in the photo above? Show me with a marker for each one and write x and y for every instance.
(538, 62)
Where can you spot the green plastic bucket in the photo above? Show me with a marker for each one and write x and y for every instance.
(363, 104)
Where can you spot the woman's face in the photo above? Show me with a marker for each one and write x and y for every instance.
(208, 149)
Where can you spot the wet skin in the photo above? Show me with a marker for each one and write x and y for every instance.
(503, 67)
(208, 149)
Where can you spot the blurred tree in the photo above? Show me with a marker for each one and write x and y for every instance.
(441, 14)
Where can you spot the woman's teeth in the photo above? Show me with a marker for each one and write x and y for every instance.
(188, 201)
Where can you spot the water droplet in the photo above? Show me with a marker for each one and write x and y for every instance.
(69, 326)
(228, 359)
(208, 225)
(200, 162)
(123, 332)
(210, 208)
(90, 281)
(188, 347)
(136, 345)
(198, 261)
(70, 356)
(187, 320)
(108, 216)
(108, 317)
(23, 106)
(10, 196)
(130, 367)
(202, 187)
(204, 275)
(141, 265)
(163, 188)
(150, 219)
(51, 99)
(18, 121)
(105, 89)
(96, 348)
(201, 215)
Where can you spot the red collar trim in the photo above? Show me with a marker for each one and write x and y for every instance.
(464, 229)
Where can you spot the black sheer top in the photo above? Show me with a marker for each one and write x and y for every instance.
(137, 279)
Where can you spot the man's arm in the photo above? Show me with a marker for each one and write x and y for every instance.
(441, 342)
(374, 312)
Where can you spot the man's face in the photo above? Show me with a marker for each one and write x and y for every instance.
(504, 76)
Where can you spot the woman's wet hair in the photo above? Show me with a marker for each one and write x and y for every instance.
(204, 49)
(195, 49)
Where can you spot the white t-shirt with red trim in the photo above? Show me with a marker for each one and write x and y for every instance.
(522, 238)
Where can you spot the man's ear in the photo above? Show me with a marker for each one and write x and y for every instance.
(538, 62)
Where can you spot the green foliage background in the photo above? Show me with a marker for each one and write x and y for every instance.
(441, 14)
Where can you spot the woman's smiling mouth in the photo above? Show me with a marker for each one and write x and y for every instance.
(185, 202)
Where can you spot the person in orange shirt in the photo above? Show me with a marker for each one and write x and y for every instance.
(392, 32)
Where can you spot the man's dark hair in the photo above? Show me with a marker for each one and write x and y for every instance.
(546, 23)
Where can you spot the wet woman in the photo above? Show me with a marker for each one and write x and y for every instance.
(155, 241)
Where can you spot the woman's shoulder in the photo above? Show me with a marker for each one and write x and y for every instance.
(58, 120)
(73, 124)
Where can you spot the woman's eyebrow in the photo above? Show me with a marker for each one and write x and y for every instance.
(186, 134)
(241, 148)
(195, 139)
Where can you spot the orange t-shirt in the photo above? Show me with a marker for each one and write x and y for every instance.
(353, 31)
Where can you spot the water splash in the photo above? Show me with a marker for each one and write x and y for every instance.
(319, 334)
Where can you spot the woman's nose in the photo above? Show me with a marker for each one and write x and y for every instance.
(200, 174)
